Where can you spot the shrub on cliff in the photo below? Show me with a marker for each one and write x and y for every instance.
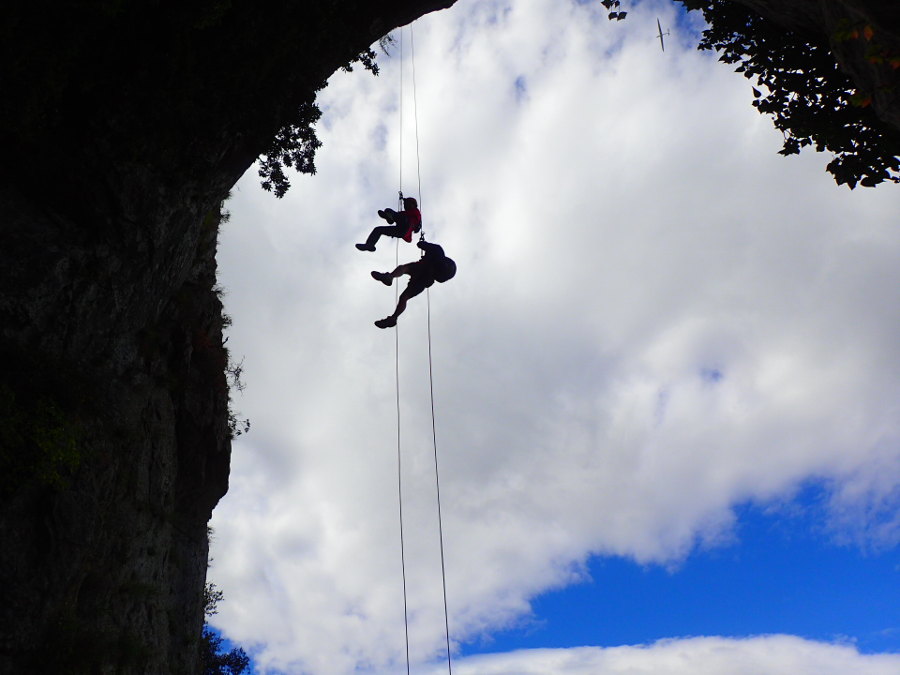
(296, 143)
(812, 102)
(213, 659)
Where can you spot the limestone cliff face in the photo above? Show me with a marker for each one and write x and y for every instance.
(115, 450)
(123, 125)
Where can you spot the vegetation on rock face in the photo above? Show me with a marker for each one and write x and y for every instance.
(216, 661)
(812, 102)
(296, 143)
(213, 659)
(41, 433)
(295, 146)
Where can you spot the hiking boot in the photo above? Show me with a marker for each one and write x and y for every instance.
(387, 216)
(387, 322)
(383, 277)
(365, 247)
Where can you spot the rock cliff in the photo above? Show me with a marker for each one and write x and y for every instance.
(123, 127)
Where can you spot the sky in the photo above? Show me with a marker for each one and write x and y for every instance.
(666, 375)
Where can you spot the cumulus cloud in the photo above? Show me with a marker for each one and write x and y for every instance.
(773, 655)
(655, 318)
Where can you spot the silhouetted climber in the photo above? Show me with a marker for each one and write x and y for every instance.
(433, 266)
(403, 224)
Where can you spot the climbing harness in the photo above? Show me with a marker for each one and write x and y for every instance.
(430, 374)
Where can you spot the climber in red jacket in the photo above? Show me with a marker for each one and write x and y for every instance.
(402, 224)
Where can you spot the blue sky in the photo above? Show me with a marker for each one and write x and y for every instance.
(779, 578)
(667, 378)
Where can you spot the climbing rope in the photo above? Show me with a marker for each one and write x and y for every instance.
(397, 381)
(437, 480)
(437, 475)
(437, 487)
(400, 168)
(400, 473)
(412, 53)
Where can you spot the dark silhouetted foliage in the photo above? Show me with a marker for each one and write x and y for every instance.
(217, 662)
(812, 102)
(212, 596)
(613, 7)
(213, 660)
(295, 144)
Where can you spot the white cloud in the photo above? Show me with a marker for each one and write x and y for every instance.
(656, 317)
(772, 655)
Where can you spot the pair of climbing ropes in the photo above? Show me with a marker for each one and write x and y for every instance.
(437, 481)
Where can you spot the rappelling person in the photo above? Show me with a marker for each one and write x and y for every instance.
(431, 267)
(402, 224)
